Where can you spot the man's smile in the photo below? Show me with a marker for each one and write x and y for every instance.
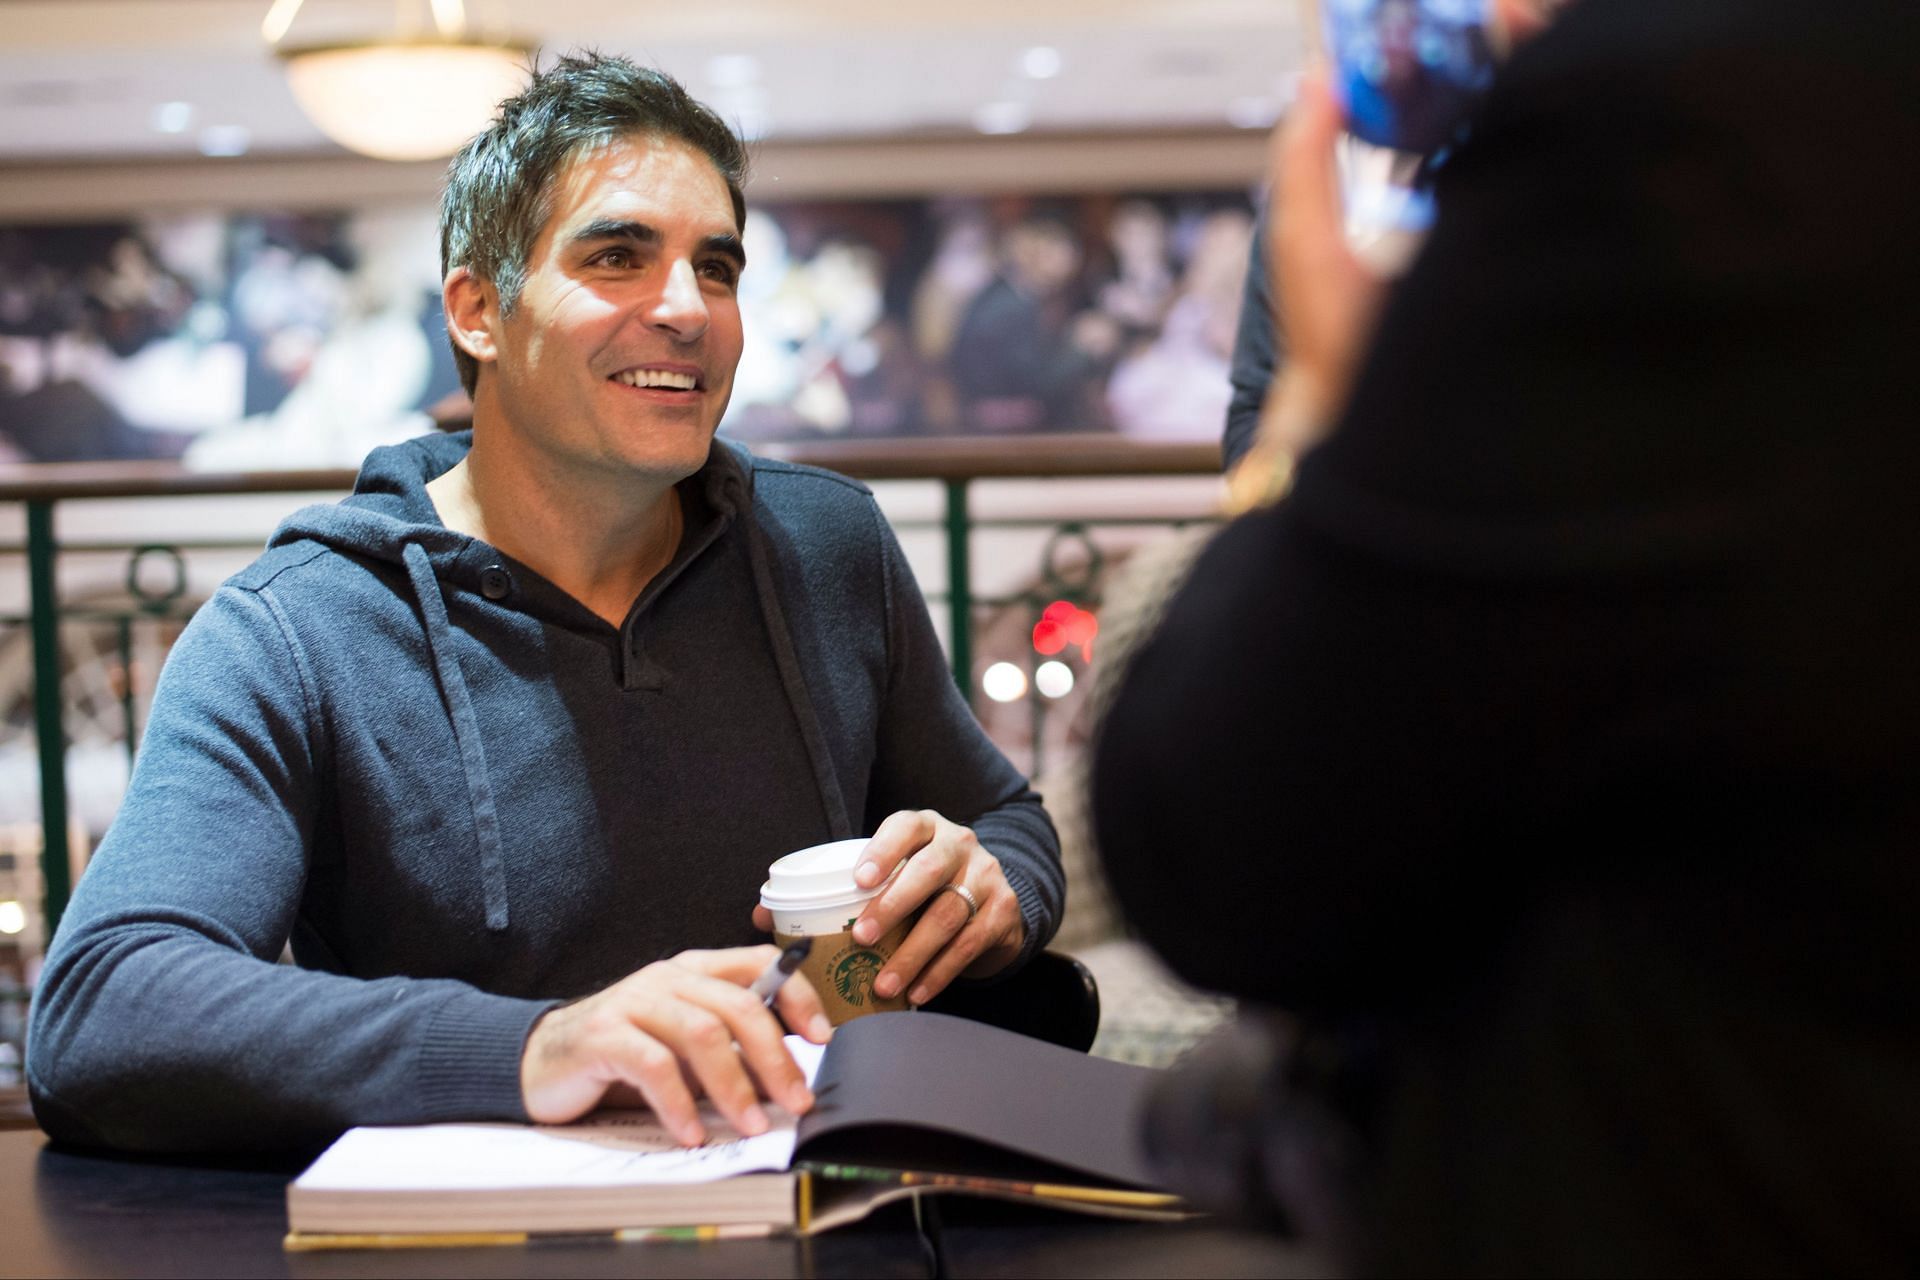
(661, 377)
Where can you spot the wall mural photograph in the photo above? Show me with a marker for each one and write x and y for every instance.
(272, 340)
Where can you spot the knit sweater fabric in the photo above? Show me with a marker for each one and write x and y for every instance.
(461, 796)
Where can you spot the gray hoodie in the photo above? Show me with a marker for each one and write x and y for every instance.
(462, 796)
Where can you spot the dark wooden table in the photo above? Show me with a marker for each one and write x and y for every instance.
(83, 1213)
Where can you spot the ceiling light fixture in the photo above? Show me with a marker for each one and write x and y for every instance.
(225, 140)
(1002, 117)
(171, 117)
(1041, 62)
(405, 97)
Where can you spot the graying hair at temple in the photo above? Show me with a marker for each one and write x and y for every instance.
(499, 186)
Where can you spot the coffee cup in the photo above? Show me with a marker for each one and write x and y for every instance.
(812, 894)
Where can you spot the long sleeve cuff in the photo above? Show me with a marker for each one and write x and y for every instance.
(1040, 921)
(469, 1066)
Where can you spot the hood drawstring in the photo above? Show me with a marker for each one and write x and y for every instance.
(824, 776)
(466, 733)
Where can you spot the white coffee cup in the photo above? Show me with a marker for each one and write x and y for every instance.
(812, 894)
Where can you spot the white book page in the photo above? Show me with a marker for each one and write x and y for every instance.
(605, 1149)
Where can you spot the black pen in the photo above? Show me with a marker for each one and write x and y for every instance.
(768, 984)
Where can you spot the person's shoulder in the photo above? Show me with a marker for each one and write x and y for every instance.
(831, 522)
(303, 573)
(812, 500)
(293, 560)
(797, 481)
(254, 607)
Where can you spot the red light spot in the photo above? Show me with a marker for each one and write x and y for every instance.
(1081, 627)
(1048, 636)
(1059, 611)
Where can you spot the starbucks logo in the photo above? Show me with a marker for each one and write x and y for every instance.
(853, 973)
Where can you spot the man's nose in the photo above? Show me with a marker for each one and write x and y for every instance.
(679, 308)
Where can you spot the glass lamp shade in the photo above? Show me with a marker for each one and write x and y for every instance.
(404, 101)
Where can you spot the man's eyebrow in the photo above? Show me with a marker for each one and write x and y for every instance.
(615, 229)
(727, 246)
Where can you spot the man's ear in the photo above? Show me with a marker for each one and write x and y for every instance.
(473, 307)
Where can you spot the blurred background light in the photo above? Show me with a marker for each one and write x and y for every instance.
(404, 101)
(279, 19)
(399, 96)
(1004, 682)
(225, 140)
(1053, 679)
(172, 117)
(1041, 62)
(1002, 117)
(1064, 623)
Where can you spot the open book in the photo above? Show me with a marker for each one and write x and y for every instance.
(906, 1103)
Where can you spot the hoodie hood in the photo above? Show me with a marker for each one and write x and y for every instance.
(390, 509)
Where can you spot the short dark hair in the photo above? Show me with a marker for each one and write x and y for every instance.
(499, 190)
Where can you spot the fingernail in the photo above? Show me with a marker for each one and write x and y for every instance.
(865, 932)
(693, 1135)
(753, 1120)
(820, 1030)
(866, 874)
(918, 997)
(800, 1099)
(885, 985)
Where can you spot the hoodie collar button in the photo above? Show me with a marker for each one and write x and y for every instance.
(494, 582)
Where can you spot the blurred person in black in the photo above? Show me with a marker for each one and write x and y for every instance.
(1026, 357)
(1258, 349)
(1558, 735)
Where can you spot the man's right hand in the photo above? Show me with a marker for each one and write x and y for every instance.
(679, 1025)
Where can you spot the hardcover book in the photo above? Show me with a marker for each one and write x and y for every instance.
(907, 1104)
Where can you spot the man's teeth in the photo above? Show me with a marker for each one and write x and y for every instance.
(657, 378)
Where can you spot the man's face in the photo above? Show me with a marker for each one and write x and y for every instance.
(1043, 258)
(619, 354)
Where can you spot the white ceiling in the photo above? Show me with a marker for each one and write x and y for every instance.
(80, 80)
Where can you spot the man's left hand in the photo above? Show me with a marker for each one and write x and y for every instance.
(931, 853)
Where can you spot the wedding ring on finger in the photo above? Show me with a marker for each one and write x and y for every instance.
(965, 895)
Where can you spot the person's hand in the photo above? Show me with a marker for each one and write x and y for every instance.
(1517, 21)
(1328, 298)
(929, 854)
(679, 1025)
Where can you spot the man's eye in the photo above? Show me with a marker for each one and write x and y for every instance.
(720, 269)
(613, 258)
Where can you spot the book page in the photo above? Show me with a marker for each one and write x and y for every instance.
(606, 1148)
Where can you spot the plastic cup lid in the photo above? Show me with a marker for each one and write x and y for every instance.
(820, 876)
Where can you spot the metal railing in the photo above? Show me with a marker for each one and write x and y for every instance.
(956, 464)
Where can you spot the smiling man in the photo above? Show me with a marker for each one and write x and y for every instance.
(497, 742)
